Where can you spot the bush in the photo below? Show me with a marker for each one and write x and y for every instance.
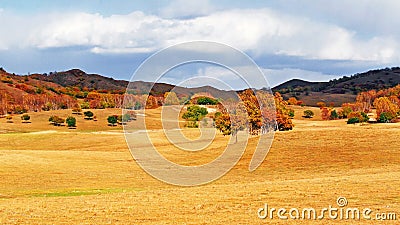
(192, 124)
(85, 105)
(88, 114)
(353, 120)
(71, 121)
(77, 110)
(291, 113)
(206, 101)
(195, 113)
(25, 118)
(334, 115)
(112, 119)
(357, 117)
(386, 117)
(56, 121)
(308, 113)
(126, 118)
(9, 119)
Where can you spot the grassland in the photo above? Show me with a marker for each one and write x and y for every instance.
(54, 175)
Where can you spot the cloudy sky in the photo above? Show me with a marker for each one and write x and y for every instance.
(312, 40)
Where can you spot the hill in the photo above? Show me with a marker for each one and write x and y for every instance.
(76, 83)
(340, 90)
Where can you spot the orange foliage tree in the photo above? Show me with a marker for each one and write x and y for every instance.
(386, 108)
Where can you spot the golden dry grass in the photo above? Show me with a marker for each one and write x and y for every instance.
(87, 176)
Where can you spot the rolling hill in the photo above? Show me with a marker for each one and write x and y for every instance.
(338, 91)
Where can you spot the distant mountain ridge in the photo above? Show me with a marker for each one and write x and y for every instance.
(340, 90)
(337, 91)
(82, 80)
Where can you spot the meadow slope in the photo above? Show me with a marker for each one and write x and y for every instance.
(53, 175)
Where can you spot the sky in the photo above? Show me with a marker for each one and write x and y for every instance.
(311, 40)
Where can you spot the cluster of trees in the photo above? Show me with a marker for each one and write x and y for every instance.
(294, 101)
(10, 104)
(121, 119)
(13, 104)
(254, 111)
(385, 101)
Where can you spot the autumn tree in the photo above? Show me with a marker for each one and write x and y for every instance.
(232, 120)
(151, 102)
(283, 119)
(292, 101)
(325, 113)
(386, 107)
(56, 121)
(170, 98)
(77, 110)
(254, 114)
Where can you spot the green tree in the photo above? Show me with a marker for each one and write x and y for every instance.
(88, 115)
(206, 101)
(308, 113)
(112, 119)
(334, 115)
(195, 113)
(25, 118)
(126, 118)
(71, 121)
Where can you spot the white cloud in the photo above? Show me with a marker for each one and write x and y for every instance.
(258, 31)
(186, 8)
(223, 78)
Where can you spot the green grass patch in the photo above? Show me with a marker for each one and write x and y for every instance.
(68, 193)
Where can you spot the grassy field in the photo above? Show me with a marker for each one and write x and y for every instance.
(55, 175)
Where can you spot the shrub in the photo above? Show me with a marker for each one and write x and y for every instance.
(334, 115)
(20, 110)
(291, 113)
(25, 118)
(77, 110)
(357, 117)
(192, 124)
(353, 120)
(9, 119)
(85, 105)
(56, 121)
(112, 119)
(308, 113)
(195, 113)
(126, 118)
(386, 117)
(71, 121)
(88, 114)
(206, 101)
